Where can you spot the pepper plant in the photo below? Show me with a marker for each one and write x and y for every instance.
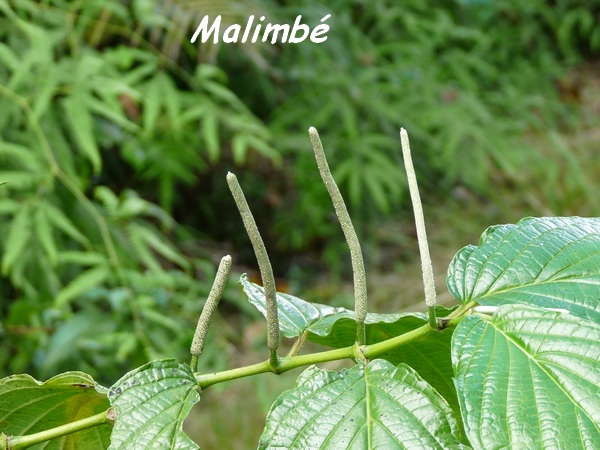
(514, 364)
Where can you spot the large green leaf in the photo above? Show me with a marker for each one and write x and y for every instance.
(333, 326)
(529, 378)
(377, 406)
(547, 262)
(28, 406)
(152, 402)
(430, 357)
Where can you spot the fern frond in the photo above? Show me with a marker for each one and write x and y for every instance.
(63, 223)
(47, 89)
(17, 180)
(107, 198)
(152, 105)
(20, 273)
(87, 280)
(152, 240)
(58, 142)
(45, 235)
(9, 206)
(82, 126)
(161, 320)
(9, 58)
(81, 258)
(17, 239)
(23, 157)
(142, 250)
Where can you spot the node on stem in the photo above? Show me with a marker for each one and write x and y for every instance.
(358, 265)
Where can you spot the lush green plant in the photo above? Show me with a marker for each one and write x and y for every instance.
(86, 260)
(470, 79)
(515, 364)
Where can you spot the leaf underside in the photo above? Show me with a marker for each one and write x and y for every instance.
(333, 326)
(545, 262)
(529, 378)
(151, 404)
(28, 406)
(377, 406)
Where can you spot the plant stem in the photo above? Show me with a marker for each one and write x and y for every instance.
(366, 351)
(20, 442)
(285, 364)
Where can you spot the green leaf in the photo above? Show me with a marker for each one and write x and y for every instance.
(47, 89)
(82, 283)
(63, 223)
(152, 105)
(546, 262)
(45, 235)
(8, 205)
(81, 258)
(210, 132)
(24, 157)
(17, 239)
(377, 406)
(333, 326)
(28, 406)
(17, 179)
(159, 245)
(82, 126)
(8, 57)
(152, 402)
(430, 357)
(529, 378)
(239, 148)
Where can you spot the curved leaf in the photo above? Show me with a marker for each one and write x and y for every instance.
(83, 282)
(17, 239)
(377, 406)
(430, 357)
(530, 378)
(82, 126)
(151, 404)
(28, 406)
(546, 262)
(333, 326)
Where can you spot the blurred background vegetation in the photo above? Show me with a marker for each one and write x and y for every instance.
(116, 134)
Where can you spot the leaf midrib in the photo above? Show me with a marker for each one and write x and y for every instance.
(542, 369)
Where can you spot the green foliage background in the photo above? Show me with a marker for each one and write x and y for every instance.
(116, 133)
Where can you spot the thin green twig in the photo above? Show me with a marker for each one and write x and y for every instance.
(350, 352)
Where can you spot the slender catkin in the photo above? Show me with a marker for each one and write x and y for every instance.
(426, 265)
(266, 271)
(358, 265)
(210, 306)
